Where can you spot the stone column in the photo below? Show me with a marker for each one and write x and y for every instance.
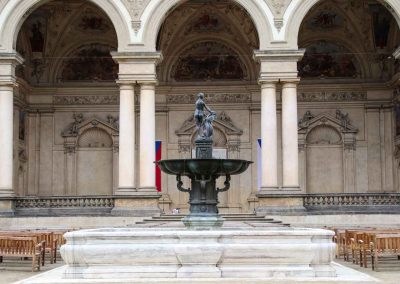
(126, 175)
(142, 199)
(147, 137)
(290, 152)
(269, 149)
(6, 140)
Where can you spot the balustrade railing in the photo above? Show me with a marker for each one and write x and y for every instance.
(65, 202)
(366, 200)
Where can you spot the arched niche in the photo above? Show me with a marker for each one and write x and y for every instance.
(91, 156)
(327, 145)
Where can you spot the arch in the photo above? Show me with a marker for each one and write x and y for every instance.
(158, 10)
(299, 12)
(16, 12)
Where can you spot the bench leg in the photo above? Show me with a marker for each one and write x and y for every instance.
(43, 256)
(1, 259)
(55, 254)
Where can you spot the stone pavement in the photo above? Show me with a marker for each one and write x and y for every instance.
(12, 270)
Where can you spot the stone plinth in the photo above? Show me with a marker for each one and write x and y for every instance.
(179, 253)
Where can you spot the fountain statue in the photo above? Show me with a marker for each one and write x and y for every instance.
(203, 172)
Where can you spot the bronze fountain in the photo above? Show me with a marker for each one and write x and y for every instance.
(203, 172)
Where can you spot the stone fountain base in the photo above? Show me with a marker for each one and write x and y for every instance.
(181, 253)
(239, 254)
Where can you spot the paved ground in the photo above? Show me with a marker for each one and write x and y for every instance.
(14, 270)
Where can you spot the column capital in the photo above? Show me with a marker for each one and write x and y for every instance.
(126, 84)
(147, 84)
(290, 82)
(13, 58)
(8, 62)
(267, 83)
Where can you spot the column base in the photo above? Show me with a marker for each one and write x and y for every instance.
(6, 207)
(6, 192)
(137, 204)
(125, 191)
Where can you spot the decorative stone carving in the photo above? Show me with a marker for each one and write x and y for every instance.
(324, 135)
(303, 122)
(136, 8)
(278, 8)
(86, 100)
(211, 98)
(326, 96)
(341, 121)
(72, 129)
(90, 133)
(95, 138)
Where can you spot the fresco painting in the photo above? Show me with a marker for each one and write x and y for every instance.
(90, 63)
(326, 59)
(209, 61)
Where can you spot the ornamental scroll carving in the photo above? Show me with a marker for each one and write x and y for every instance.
(211, 98)
(86, 100)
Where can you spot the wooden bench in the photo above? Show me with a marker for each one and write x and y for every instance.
(384, 245)
(22, 247)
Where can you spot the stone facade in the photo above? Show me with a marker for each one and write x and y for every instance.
(102, 80)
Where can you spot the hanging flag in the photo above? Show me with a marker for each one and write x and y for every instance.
(158, 171)
(259, 161)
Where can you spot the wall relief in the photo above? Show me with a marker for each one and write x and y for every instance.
(90, 63)
(209, 61)
(86, 100)
(326, 96)
(210, 98)
(326, 59)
